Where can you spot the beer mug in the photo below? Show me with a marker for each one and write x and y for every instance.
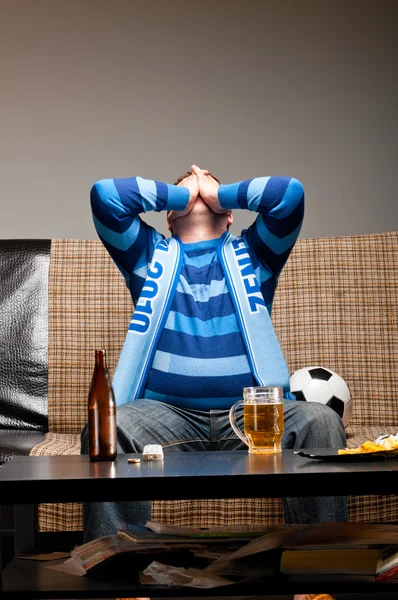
(262, 419)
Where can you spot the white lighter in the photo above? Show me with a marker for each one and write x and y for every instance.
(152, 452)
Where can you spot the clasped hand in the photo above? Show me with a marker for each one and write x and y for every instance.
(200, 185)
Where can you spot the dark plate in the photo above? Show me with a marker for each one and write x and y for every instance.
(332, 455)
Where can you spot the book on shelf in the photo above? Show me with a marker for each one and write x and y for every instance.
(174, 534)
(388, 573)
(327, 578)
(240, 530)
(366, 563)
(319, 536)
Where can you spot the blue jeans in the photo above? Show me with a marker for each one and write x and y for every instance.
(307, 425)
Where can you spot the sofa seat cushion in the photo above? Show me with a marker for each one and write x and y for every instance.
(358, 435)
(58, 444)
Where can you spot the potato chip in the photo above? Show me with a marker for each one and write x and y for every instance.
(387, 444)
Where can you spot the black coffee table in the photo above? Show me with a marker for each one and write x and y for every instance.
(29, 480)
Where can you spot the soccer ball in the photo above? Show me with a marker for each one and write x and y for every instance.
(318, 384)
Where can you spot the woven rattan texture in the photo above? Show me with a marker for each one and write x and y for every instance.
(335, 306)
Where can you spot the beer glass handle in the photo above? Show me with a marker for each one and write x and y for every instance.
(232, 420)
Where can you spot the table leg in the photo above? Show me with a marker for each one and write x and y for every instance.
(25, 527)
(1, 561)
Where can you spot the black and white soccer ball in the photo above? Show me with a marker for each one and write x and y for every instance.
(318, 384)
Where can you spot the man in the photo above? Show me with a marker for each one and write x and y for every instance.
(201, 329)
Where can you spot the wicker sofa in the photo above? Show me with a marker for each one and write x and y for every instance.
(336, 306)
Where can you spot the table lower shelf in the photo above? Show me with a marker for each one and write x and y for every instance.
(30, 579)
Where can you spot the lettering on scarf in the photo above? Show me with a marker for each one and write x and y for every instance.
(253, 292)
(141, 318)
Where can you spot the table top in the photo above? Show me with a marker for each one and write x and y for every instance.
(33, 479)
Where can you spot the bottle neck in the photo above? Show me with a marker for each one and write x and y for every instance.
(100, 359)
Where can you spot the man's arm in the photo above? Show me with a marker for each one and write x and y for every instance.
(116, 205)
(280, 204)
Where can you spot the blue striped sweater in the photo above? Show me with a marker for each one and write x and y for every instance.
(200, 361)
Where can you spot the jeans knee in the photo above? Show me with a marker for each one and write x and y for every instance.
(322, 413)
(324, 424)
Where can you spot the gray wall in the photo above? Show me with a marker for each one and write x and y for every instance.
(95, 88)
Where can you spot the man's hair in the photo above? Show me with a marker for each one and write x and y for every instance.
(188, 173)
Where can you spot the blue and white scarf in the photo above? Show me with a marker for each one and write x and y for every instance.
(264, 353)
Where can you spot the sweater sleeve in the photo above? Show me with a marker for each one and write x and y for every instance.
(116, 205)
(280, 204)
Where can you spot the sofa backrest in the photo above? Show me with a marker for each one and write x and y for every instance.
(335, 306)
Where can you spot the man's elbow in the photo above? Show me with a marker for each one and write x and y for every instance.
(97, 195)
(296, 190)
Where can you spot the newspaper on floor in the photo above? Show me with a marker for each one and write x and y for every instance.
(172, 576)
(286, 536)
(90, 555)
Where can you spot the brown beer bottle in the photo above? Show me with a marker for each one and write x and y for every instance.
(101, 412)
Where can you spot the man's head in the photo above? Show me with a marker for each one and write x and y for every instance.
(203, 217)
